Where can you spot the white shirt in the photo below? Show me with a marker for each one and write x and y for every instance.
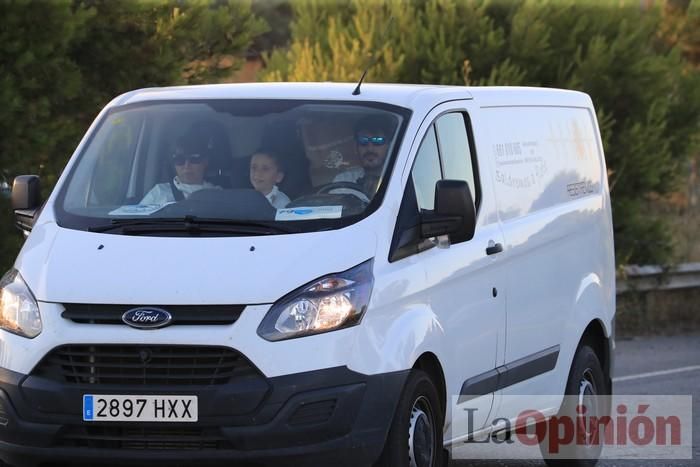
(351, 175)
(162, 193)
(277, 199)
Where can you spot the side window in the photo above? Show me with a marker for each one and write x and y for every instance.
(444, 153)
(454, 150)
(426, 171)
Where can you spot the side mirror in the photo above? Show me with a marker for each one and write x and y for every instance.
(454, 213)
(26, 200)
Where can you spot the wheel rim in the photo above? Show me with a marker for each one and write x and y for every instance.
(421, 434)
(587, 397)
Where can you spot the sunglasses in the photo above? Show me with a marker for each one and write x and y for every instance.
(374, 140)
(180, 159)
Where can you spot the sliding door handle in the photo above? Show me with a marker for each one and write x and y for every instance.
(494, 248)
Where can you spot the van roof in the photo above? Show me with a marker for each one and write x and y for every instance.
(404, 95)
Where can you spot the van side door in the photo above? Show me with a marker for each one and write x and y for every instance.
(464, 284)
(547, 179)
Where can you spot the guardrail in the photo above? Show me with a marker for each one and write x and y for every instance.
(646, 278)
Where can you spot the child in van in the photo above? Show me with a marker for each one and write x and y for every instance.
(265, 173)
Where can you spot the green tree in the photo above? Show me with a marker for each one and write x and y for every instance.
(38, 78)
(278, 15)
(646, 97)
(345, 46)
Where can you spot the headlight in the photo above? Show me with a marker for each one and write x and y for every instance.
(332, 302)
(19, 312)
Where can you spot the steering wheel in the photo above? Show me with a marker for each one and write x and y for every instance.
(344, 188)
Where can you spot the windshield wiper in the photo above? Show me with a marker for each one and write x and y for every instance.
(192, 224)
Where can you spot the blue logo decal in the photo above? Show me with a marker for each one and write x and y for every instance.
(147, 318)
(303, 211)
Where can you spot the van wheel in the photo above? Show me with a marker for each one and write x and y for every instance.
(415, 436)
(585, 384)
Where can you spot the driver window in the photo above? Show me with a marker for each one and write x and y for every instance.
(455, 152)
(426, 171)
(444, 153)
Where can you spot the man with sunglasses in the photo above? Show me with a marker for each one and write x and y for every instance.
(372, 135)
(190, 159)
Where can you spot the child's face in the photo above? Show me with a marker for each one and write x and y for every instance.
(264, 173)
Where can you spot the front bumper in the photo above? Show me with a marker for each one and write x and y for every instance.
(332, 416)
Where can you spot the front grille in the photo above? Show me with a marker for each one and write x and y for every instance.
(143, 438)
(144, 365)
(313, 413)
(182, 314)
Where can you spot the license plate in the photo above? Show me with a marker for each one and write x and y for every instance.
(108, 408)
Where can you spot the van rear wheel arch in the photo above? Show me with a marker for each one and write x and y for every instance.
(594, 336)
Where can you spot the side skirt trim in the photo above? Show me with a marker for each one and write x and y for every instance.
(509, 374)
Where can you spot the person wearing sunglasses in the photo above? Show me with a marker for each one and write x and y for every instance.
(372, 135)
(190, 160)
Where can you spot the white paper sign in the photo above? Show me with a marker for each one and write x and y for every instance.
(136, 210)
(310, 212)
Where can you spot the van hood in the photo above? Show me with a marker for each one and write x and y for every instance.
(69, 266)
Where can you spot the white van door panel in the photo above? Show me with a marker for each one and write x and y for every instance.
(547, 172)
(465, 290)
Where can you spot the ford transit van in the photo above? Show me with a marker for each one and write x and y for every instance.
(263, 274)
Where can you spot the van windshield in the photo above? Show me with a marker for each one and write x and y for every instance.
(232, 167)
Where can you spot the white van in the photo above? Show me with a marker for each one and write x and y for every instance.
(294, 273)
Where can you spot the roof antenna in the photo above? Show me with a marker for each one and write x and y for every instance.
(373, 59)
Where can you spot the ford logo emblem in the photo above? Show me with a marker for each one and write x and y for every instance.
(147, 318)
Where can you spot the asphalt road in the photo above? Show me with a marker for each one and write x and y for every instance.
(645, 366)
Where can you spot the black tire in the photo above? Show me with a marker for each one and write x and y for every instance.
(586, 379)
(415, 436)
